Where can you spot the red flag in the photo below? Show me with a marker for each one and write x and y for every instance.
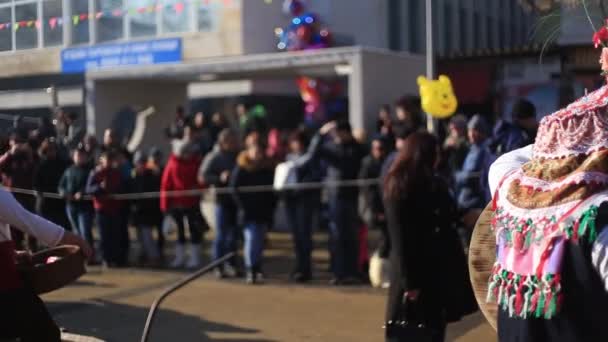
(53, 22)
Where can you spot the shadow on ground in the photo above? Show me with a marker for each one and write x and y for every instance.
(112, 322)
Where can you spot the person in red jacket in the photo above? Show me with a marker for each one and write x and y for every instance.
(181, 174)
(103, 182)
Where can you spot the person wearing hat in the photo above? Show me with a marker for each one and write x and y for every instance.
(145, 212)
(180, 174)
(471, 181)
(508, 136)
(335, 145)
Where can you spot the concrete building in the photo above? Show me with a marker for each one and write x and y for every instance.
(103, 55)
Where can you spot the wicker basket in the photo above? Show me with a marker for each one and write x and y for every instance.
(482, 255)
(45, 277)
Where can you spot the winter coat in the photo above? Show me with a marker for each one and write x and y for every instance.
(372, 193)
(47, 176)
(179, 174)
(426, 255)
(212, 167)
(17, 171)
(472, 180)
(344, 163)
(308, 170)
(507, 137)
(253, 206)
(74, 180)
(145, 211)
(114, 185)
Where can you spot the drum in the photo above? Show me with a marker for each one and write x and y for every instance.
(52, 269)
(482, 256)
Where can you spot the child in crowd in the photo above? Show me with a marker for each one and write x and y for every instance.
(72, 187)
(104, 181)
(180, 174)
(145, 213)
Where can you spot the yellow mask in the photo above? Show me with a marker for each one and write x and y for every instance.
(437, 97)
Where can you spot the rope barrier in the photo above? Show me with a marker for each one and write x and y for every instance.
(216, 190)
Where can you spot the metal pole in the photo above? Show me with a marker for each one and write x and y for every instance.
(177, 286)
(430, 56)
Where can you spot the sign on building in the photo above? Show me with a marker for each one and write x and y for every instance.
(81, 59)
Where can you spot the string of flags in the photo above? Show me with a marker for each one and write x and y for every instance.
(76, 19)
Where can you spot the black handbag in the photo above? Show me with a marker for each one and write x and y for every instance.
(408, 327)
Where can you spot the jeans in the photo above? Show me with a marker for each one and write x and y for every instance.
(113, 235)
(344, 244)
(300, 213)
(254, 245)
(81, 221)
(193, 216)
(225, 226)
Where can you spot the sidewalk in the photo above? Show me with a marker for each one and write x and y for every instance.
(112, 305)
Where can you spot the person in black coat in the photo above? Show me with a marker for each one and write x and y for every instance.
(373, 208)
(343, 156)
(46, 179)
(145, 213)
(428, 267)
(256, 209)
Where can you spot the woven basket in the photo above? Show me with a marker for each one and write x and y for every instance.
(482, 255)
(45, 277)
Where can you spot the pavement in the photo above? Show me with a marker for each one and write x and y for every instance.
(112, 305)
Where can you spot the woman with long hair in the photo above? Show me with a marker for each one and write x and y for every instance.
(420, 212)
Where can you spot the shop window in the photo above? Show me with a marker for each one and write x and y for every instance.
(52, 22)
(142, 14)
(26, 31)
(79, 20)
(176, 16)
(6, 33)
(110, 18)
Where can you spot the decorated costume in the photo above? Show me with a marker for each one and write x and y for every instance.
(548, 214)
(22, 313)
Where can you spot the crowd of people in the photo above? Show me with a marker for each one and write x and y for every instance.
(207, 152)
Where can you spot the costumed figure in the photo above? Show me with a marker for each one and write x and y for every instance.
(22, 313)
(551, 214)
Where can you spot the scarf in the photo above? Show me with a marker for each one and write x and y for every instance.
(550, 201)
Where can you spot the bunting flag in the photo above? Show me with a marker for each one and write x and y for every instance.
(76, 19)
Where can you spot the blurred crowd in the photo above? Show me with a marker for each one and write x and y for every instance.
(209, 151)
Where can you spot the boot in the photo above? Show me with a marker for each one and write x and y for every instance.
(194, 260)
(180, 256)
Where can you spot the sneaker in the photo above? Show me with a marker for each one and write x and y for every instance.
(259, 278)
(219, 273)
(300, 277)
(230, 271)
(250, 278)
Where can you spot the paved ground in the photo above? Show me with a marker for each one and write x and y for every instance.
(113, 305)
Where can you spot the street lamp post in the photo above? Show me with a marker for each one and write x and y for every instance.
(430, 56)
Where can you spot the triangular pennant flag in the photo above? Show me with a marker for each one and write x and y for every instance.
(179, 7)
(141, 10)
(117, 12)
(151, 9)
(23, 23)
(84, 16)
(75, 19)
(60, 21)
(159, 7)
(30, 23)
(98, 15)
(2, 26)
(53, 22)
(38, 24)
(16, 26)
(206, 2)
